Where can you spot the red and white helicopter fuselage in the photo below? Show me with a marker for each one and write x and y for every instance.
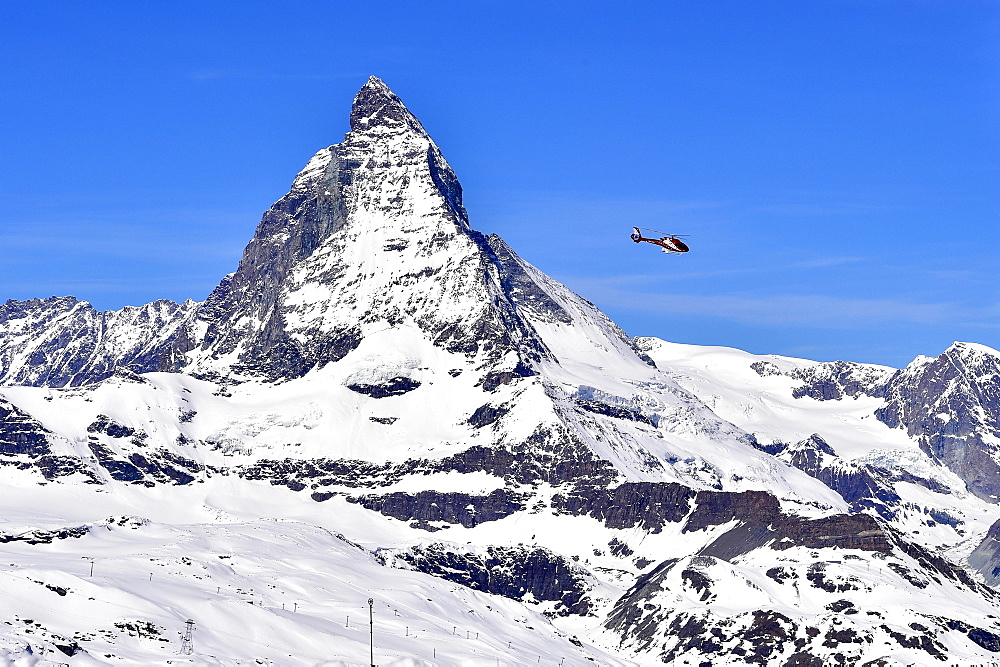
(669, 244)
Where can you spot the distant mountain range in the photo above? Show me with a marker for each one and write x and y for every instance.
(383, 402)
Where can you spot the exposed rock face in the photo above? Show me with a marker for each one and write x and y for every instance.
(526, 294)
(986, 557)
(392, 387)
(20, 433)
(429, 507)
(515, 572)
(148, 469)
(843, 531)
(649, 505)
(528, 463)
(45, 536)
(24, 444)
(951, 404)
(62, 341)
(372, 233)
(860, 485)
(834, 380)
(671, 607)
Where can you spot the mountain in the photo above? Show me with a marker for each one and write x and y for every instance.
(951, 405)
(382, 402)
(61, 341)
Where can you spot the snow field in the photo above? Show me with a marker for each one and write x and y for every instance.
(283, 592)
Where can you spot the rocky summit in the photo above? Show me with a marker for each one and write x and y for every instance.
(385, 434)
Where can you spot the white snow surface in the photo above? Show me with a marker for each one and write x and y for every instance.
(251, 541)
(273, 576)
(261, 591)
(763, 405)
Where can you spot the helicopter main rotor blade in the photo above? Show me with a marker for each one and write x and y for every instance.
(679, 236)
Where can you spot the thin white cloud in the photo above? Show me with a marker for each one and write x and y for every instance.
(815, 310)
(208, 74)
(647, 278)
(823, 262)
(128, 234)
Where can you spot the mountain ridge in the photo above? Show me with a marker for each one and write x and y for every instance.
(378, 369)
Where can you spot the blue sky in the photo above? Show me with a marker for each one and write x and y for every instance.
(835, 164)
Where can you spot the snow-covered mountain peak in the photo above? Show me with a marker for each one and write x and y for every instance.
(972, 350)
(951, 404)
(919, 361)
(964, 367)
(372, 235)
(958, 355)
(376, 106)
(64, 341)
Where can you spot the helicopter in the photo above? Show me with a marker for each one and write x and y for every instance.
(669, 243)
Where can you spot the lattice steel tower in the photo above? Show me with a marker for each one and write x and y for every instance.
(187, 640)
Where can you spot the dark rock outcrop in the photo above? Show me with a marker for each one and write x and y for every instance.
(649, 505)
(20, 434)
(521, 288)
(614, 411)
(425, 507)
(518, 572)
(45, 536)
(526, 463)
(391, 387)
(834, 380)
(147, 469)
(985, 559)
(24, 444)
(862, 486)
(949, 404)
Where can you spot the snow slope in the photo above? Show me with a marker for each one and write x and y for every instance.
(382, 402)
(758, 394)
